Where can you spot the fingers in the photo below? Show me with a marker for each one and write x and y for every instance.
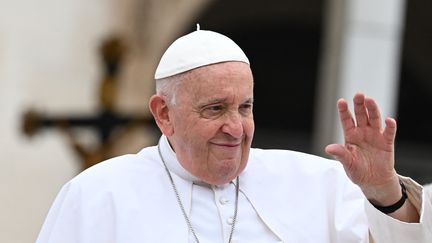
(345, 115)
(340, 153)
(366, 111)
(360, 111)
(373, 112)
(334, 150)
(390, 130)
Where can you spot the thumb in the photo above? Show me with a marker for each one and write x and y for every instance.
(339, 152)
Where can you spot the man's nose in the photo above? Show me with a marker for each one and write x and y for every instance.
(233, 125)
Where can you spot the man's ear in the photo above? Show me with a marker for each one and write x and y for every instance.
(158, 106)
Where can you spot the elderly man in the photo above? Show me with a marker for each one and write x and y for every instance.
(203, 182)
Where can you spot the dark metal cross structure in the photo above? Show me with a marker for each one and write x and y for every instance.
(107, 123)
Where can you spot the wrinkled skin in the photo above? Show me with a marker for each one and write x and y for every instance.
(211, 125)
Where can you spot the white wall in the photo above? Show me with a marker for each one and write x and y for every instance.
(361, 52)
(48, 61)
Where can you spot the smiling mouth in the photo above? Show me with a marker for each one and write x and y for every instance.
(228, 145)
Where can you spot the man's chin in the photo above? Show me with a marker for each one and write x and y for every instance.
(229, 170)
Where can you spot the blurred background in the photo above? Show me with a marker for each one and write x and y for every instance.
(75, 77)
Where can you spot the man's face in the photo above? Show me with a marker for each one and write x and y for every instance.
(213, 122)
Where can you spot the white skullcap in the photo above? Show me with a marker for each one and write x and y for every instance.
(197, 49)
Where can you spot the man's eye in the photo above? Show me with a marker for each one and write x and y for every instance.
(215, 108)
(212, 111)
(245, 109)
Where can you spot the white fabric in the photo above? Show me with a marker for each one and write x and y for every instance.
(197, 49)
(299, 197)
(214, 206)
(403, 232)
(173, 165)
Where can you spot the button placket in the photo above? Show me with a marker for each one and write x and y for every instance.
(225, 206)
(230, 220)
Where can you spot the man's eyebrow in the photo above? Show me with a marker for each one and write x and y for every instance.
(222, 100)
(249, 100)
(216, 100)
(212, 101)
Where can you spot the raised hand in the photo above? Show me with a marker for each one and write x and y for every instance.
(368, 153)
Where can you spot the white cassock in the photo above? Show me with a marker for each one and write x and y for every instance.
(285, 196)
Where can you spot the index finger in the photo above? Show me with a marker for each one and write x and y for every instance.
(345, 115)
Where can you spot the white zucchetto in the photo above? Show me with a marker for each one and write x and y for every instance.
(197, 49)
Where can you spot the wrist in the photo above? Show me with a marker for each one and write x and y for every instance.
(384, 194)
(394, 207)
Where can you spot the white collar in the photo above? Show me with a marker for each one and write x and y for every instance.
(175, 167)
(172, 163)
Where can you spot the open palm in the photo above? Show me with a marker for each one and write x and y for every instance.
(368, 153)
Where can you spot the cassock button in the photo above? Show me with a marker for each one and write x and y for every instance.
(230, 220)
(223, 200)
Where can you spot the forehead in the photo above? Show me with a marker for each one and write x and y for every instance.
(228, 78)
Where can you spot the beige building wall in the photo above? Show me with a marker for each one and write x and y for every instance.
(361, 52)
(49, 62)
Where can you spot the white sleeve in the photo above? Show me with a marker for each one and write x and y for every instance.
(74, 216)
(61, 222)
(385, 229)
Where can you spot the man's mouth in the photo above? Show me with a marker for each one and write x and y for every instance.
(227, 144)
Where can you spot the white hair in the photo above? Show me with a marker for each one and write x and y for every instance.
(169, 86)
